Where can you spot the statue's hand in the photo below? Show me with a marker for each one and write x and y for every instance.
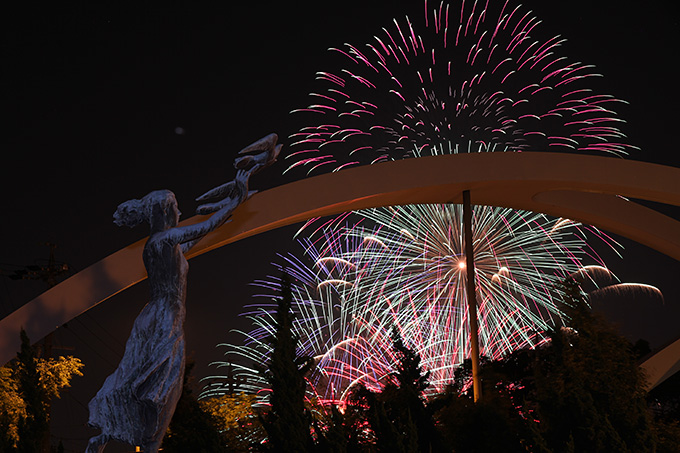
(227, 190)
(220, 192)
(266, 143)
(258, 155)
(230, 194)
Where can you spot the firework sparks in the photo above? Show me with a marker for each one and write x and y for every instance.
(357, 282)
(472, 78)
(479, 72)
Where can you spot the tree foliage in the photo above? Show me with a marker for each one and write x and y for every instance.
(590, 389)
(397, 419)
(237, 420)
(12, 409)
(192, 428)
(580, 391)
(288, 421)
(26, 388)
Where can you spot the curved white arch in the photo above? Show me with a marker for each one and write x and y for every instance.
(582, 188)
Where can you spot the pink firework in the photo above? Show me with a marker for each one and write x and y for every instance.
(477, 73)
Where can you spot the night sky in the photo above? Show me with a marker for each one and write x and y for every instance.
(104, 103)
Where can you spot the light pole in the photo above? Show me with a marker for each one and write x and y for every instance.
(471, 295)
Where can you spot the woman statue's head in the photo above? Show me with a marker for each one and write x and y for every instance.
(158, 208)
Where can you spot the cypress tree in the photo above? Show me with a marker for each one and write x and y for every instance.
(413, 380)
(288, 422)
(33, 427)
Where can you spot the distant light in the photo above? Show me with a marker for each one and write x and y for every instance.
(179, 130)
(461, 264)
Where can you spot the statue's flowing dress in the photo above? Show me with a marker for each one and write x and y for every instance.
(139, 398)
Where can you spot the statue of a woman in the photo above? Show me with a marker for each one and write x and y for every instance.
(137, 401)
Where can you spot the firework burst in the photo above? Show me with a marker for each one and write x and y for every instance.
(476, 77)
(479, 72)
(404, 267)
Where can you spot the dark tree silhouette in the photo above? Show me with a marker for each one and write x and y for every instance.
(36, 425)
(398, 416)
(288, 422)
(590, 389)
(583, 388)
(413, 381)
(191, 428)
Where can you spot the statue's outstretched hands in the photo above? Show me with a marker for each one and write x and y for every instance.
(267, 151)
(219, 192)
(228, 194)
(236, 191)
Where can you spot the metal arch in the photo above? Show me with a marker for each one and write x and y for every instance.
(588, 189)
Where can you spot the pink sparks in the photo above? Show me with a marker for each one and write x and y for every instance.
(506, 76)
(323, 96)
(338, 92)
(398, 94)
(348, 164)
(583, 90)
(356, 150)
(499, 64)
(382, 44)
(344, 53)
(426, 21)
(541, 89)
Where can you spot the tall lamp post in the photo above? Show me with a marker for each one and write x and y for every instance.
(471, 295)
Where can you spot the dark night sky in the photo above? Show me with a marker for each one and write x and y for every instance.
(93, 94)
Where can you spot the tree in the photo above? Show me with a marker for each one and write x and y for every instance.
(410, 375)
(412, 382)
(27, 386)
(391, 427)
(288, 422)
(12, 409)
(490, 424)
(237, 420)
(665, 403)
(396, 419)
(582, 391)
(589, 389)
(192, 428)
(33, 426)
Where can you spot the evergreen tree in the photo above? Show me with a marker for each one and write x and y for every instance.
(334, 433)
(413, 381)
(410, 376)
(589, 388)
(191, 428)
(288, 422)
(398, 417)
(34, 425)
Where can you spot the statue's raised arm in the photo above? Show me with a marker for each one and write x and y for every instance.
(137, 401)
(266, 152)
(223, 199)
